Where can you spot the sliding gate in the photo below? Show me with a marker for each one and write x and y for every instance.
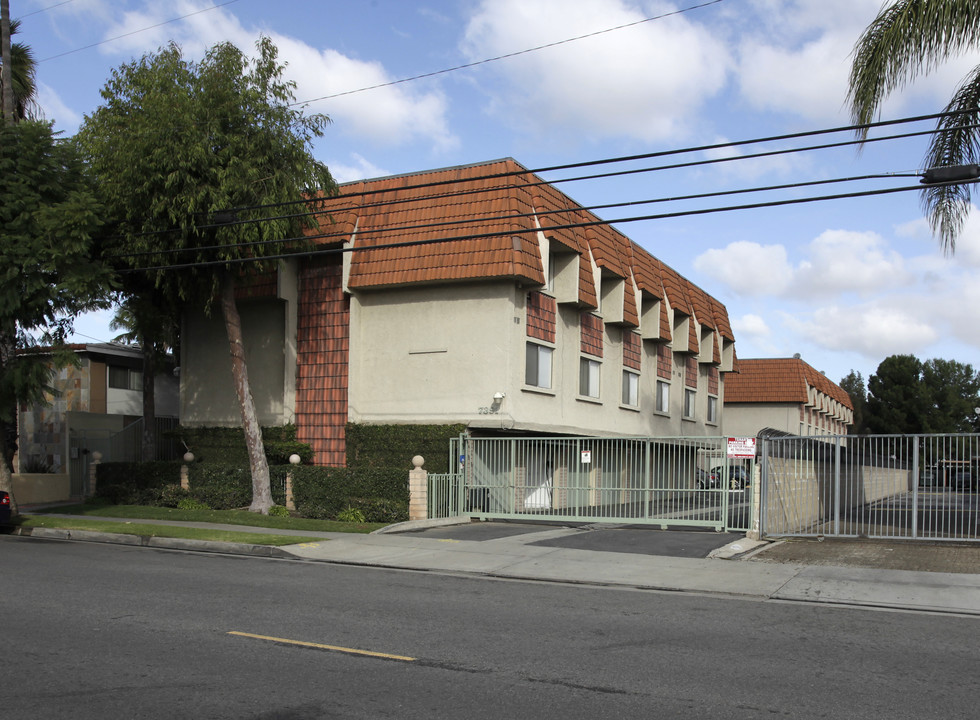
(659, 481)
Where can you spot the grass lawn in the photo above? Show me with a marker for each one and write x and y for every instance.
(225, 517)
(167, 531)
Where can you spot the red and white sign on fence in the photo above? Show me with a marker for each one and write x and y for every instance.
(741, 447)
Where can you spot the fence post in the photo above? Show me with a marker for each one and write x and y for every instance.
(185, 481)
(92, 474)
(418, 490)
(294, 459)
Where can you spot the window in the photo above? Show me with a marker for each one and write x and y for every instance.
(537, 369)
(663, 396)
(712, 409)
(588, 378)
(121, 378)
(690, 398)
(631, 388)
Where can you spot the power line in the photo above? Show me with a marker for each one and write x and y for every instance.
(460, 193)
(136, 32)
(644, 156)
(508, 55)
(397, 229)
(524, 231)
(41, 10)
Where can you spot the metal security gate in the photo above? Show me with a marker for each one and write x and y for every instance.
(657, 481)
(914, 487)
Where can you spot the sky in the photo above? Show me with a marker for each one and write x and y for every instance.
(844, 283)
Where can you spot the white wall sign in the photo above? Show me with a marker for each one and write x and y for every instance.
(586, 457)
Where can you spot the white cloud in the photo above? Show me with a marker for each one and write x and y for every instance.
(875, 330)
(57, 111)
(836, 262)
(394, 115)
(841, 261)
(360, 169)
(797, 60)
(751, 326)
(644, 82)
(748, 268)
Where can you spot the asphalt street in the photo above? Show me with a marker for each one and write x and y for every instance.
(95, 630)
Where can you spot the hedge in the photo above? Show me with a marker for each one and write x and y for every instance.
(375, 480)
(222, 445)
(394, 446)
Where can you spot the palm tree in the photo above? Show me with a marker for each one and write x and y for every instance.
(911, 38)
(23, 73)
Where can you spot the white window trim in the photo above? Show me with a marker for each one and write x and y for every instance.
(541, 351)
(594, 375)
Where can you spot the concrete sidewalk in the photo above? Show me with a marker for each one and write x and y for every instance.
(728, 571)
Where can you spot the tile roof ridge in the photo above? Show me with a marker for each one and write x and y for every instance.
(433, 171)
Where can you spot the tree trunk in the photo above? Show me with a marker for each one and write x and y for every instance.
(8, 82)
(149, 449)
(261, 487)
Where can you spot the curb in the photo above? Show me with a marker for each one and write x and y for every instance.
(162, 543)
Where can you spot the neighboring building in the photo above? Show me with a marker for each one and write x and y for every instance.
(784, 394)
(95, 400)
(512, 310)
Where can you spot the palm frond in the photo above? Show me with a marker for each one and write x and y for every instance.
(907, 39)
(956, 143)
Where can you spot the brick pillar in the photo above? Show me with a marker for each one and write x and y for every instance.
(418, 490)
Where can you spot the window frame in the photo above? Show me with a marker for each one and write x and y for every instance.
(589, 374)
(631, 388)
(690, 403)
(662, 404)
(539, 351)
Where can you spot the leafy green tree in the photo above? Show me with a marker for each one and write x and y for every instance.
(907, 396)
(175, 145)
(909, 38)
(49, 217)
(854, 386)
(953, 389)
(896, 396)
(155, 330)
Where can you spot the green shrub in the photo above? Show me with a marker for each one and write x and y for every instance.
(278, 511)
(392, 447)
(351, 515)
(226, 446)
(191, 504)
(172, 495)
(127, 483)
(381, 510)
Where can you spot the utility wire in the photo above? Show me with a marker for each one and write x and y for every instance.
(395, 229)
(644, 156)
(507, 55)
(41, 10)
(136, 32)
(525, 231)
(460, 193)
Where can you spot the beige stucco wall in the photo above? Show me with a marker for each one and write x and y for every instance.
(432, 355)
(35, 488)
(439, 354)
(801, 494)
(747, 419)
(207, 393)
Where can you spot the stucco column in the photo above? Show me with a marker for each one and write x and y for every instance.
(185, 479)
(418, 490)
(93, 472)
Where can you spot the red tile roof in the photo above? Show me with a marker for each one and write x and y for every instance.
(779, 380)
(479, 222)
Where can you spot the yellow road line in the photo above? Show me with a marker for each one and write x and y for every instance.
(318, 646)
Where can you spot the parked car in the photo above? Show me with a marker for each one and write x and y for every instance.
(738, 477)
(4, 508)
